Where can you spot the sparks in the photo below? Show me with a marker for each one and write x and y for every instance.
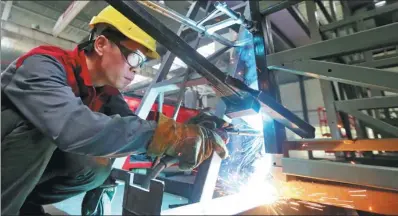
(311, 207)
(294, 203)
(358, 195)
(357, 191)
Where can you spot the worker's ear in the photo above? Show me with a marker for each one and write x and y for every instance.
(100, 44)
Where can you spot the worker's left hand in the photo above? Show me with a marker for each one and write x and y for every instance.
(191, 144)
(212, 122)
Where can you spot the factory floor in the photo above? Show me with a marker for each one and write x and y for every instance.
(73, 206)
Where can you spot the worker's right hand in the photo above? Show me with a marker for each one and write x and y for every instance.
(190, 143)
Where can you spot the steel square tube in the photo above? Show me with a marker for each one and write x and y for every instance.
(366, 175)
(381, 63)
(368, 103)
(376, 123)
(285, 116)
(343, 145)
(350, 74)
(360, 16)
(365, 40)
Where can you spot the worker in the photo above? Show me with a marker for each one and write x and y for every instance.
(64, 120)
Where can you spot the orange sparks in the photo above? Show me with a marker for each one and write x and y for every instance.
(311, 207)
(358, 195)
(316, 194)
(357, 191)
(294, 203)
(294, 208)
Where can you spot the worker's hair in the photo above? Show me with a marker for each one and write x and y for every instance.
(106, 30)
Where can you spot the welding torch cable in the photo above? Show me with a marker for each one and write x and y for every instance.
(164, 162)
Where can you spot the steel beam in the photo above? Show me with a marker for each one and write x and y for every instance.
(326, 87)
(366, 175)
(360, 16)
(324, 11)
(343, 145)
(350, 74)
(361, 41)
(368, 103)
(380, 63)
(375, 123)
(295, 13)
(7, 10)
(282, 37)
(269, 7)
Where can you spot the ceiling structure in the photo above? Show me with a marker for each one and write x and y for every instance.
(26, 24)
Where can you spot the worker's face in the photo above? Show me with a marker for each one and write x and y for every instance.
(115, 58)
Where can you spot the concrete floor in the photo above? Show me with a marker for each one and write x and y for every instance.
(72, 206)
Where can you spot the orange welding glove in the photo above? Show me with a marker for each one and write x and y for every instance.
(191, 144)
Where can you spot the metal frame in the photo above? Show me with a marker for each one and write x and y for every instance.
(357, 42)
(298, 60)
(226, 85)
(390, 8)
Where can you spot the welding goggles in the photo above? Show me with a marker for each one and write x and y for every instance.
(135, 58)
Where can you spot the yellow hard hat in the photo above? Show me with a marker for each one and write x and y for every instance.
(111, 16)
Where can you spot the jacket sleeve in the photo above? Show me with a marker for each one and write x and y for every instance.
(117, 105)
(38, 88)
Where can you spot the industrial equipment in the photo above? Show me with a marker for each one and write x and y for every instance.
(359, 172)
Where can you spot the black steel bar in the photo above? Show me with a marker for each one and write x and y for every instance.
(332, 10)
(324, 11)
(220, 81)
(280, 34)
(269, 7)
(295, 13)
(267, 82)
(303, 98)
(361, 41)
